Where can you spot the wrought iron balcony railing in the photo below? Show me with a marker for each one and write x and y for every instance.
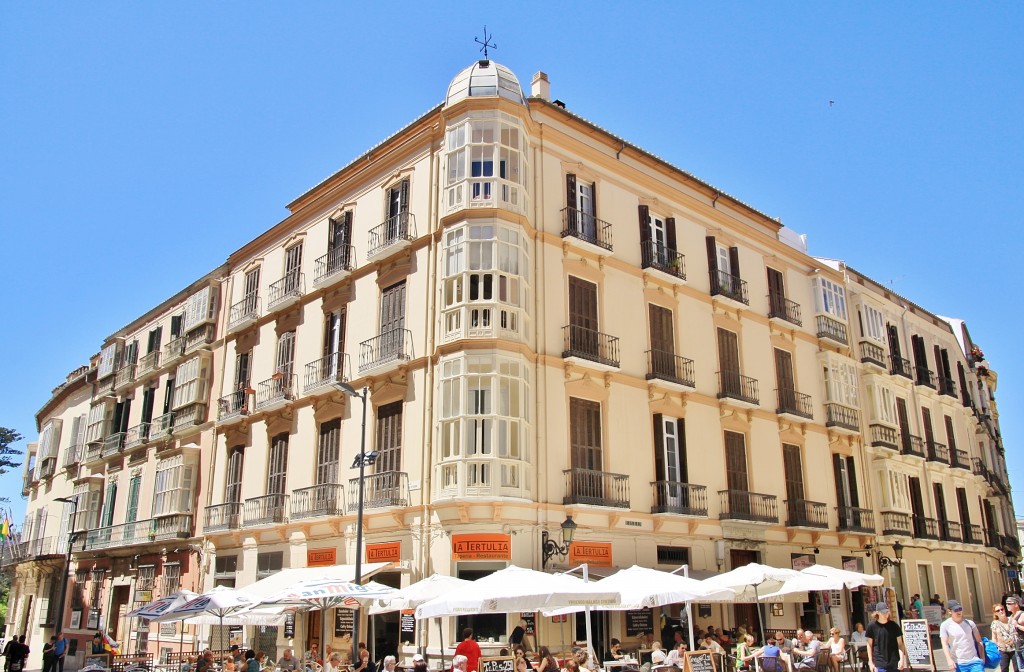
(163, 528)
(961, 460)
(599, 488)
(590, 345)
(326, 370)
(844, 417)
(900, 366)
(334, 265)
(397, 231)
(925, 376)
(233, 405)
(805, 513)
(244, 312)
(670, 367)
(687, 499)
(586, 227)
(795, 403)
(926, 528)
(938, 452)
(974, 534)
(784, 309)
(855, 519)
(326, 499)
(951, 530)
(174, 349)
(979, 468)
(380, 490)
(286, 290)
(730, 286)
(734, 385)
(278, 389)
(161, 427)
(896, 523)
(74, 454)
(148, 363)
(223, 517)
(912, 445)
(832, 329)
(136, 436)
(113, 444)
(124, 376)
(884, 437)
(266, 510)
(662, 258)
(749, 506)
(389, 347)
(872, 353)
(947, 387)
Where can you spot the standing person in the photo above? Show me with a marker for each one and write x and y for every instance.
(961, 641)
(518, 633)
(470, 649)
(886, 650)
(60, 650)
(48, 654)
(1004, 634)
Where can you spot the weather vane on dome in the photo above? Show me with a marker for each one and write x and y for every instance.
(486, 43)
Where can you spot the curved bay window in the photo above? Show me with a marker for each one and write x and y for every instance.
(484, 427)
(486, 286)
(486, 164)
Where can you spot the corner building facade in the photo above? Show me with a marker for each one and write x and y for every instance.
(550, 323)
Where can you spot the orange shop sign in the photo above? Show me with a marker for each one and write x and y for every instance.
(388, 551)
(597, 553)
(482, 546)
(321, 557)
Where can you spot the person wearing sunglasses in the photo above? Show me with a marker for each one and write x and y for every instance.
(961, 641)
(1005, 636)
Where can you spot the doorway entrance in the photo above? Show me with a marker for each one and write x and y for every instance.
(745, 614)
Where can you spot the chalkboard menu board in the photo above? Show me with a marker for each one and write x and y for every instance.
(289, 625)
(638, 621)
(497, 664)
(918, 641)
(344, 622)
(531, 622)
(699, 661)
(407, 626)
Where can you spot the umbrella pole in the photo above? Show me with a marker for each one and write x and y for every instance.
(181, 642)
(440, 634)
(323, 634)
(760, 615)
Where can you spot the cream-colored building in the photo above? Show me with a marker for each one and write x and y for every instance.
(549, 322)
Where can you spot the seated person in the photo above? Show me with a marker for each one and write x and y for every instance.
(614, 651)
(658, 658)
(288, 662)
(803, 656)
(675, 656)
(745, 652)
(709, 643)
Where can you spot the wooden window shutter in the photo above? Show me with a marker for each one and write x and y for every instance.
(670, 233)
(851, 474)
(593, 198)
(681, 441)
(837, 471)
(659, 448)
(734, 260)
(712, 254)
(645, 230)
(570, 191)
(403, 202)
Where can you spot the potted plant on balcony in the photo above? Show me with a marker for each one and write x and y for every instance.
(248, 390)
(278, 375)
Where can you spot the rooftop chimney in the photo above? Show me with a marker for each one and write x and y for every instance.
(541, 87)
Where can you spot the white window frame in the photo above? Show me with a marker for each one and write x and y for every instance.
(94, 424)
(199, 309)
(189, 383)
(172, 486)
(874, 323)
(108, 360)
(831, 298)
(841, 381)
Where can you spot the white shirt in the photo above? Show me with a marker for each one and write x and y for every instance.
(961, 640)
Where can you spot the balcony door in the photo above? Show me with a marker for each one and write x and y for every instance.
(252, 290)
(940, 506)
(736, 474)
(233, 482)
(663, 347)
(397, 205)
(794, 474)
(580, 198)
(784, 379)
(917, 505)
(904, 421)
(286, 356)
(327, 454)
(277, 465)
(847, 498)
(392, 321)
(965, 512)
(776, 288)
(586, 448)
(292, 267)
(670, 459)
(339, 233)
(334, 340)
(583, 322)
(929, 435)
(729, 362)
(389, 437)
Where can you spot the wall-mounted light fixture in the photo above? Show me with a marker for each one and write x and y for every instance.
(885, 561)
(549, 547)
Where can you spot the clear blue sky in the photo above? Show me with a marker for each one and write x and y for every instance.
(142, 142)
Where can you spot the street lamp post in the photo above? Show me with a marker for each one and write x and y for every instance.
(549, 547)
(362, 460)
(67, 561)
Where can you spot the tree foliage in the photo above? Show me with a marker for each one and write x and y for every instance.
(7, 452)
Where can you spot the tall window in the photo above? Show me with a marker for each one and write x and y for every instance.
(389, 437)
(873, 323)
(831, 298)
(585, 443)
(132, 512)
(277, 465)
(171, 578)
(794, 472)
(882, 403)
(327, 452)
(669, 449)
(172, 488)
(233, 484)
(736, 473)
(841, 381)
(190, 382)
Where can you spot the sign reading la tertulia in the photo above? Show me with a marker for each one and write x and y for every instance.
(481, 547)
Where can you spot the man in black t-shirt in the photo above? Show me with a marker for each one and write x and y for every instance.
(886, 650)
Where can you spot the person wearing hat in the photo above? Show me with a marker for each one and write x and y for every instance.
(886, 650)
(961, 641)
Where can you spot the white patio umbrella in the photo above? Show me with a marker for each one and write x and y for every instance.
(641, 587)
(166, 603)
(519, 589)
(417, 593)
(219, 602)
(751, 582)
(328, 593)
(824, 577)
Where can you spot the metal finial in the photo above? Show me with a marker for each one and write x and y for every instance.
(486, 44)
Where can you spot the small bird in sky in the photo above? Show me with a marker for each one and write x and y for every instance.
(831, 103)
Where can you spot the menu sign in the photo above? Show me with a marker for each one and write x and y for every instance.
(638, 621)
(407, 626)
(344, 622)
(497, 664)
(699, 661)
(531, 621)
(918, 642)
(482, 547)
